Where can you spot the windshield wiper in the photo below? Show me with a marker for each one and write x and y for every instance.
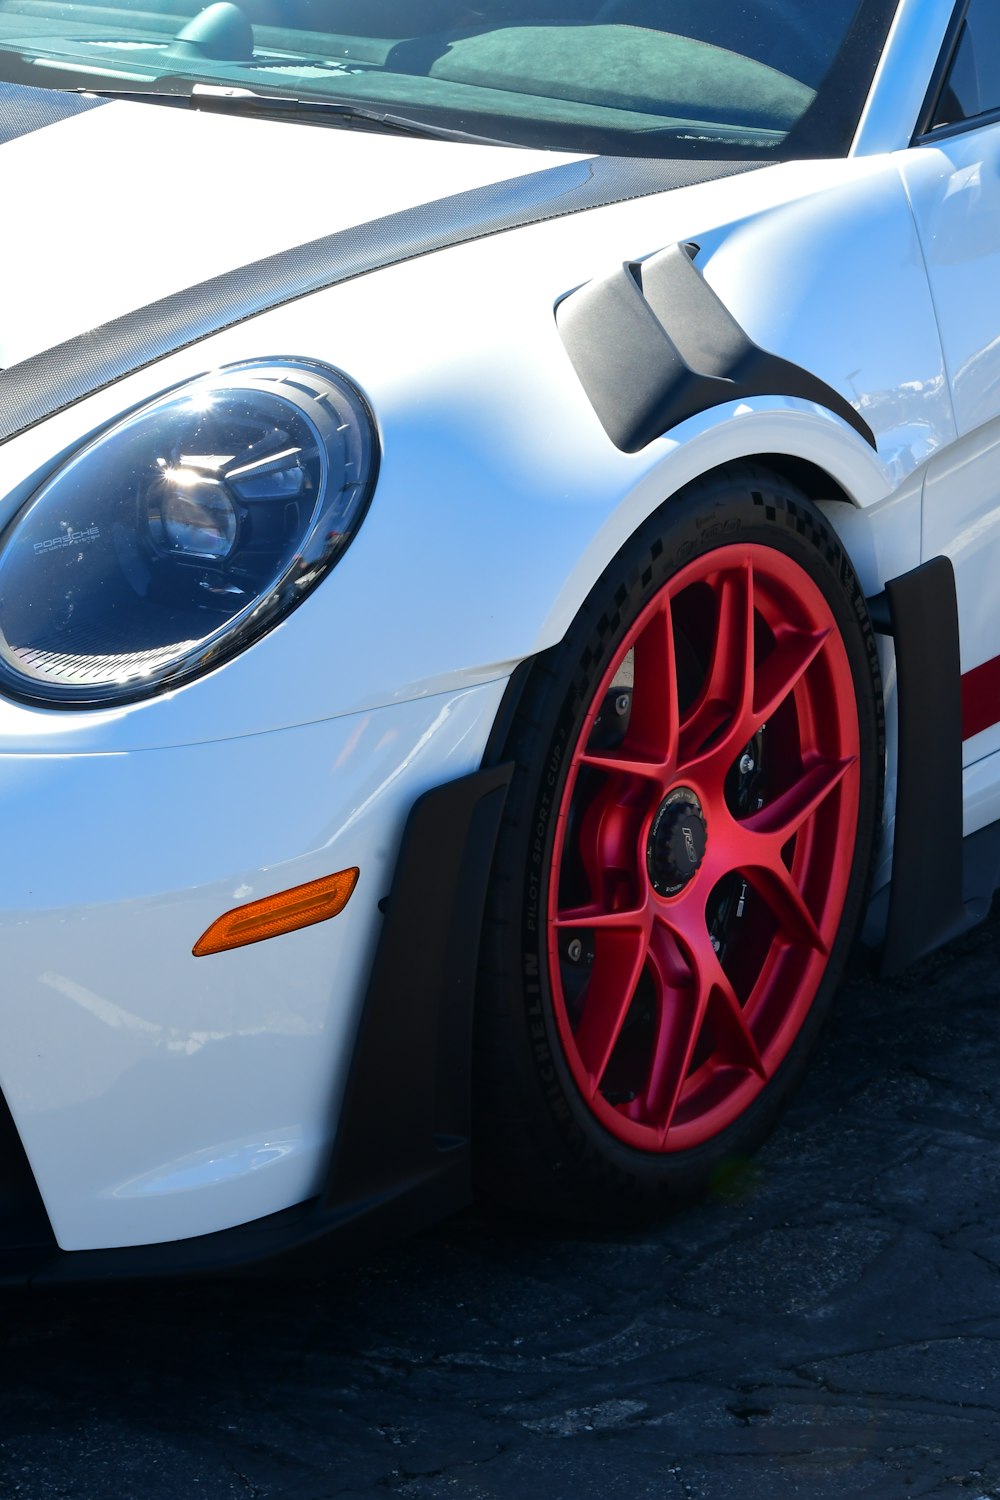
(220, 99)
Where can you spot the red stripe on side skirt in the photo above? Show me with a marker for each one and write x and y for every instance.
(981, 698)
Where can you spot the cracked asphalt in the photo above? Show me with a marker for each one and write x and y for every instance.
(829, 1325)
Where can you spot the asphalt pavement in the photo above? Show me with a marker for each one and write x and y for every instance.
(828, 1324)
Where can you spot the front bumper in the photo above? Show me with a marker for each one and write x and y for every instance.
(161, 1097)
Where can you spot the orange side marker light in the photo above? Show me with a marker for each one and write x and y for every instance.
(288, 910)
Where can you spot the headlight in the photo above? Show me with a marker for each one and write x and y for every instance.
(182, 533)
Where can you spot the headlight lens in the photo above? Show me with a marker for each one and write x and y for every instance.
(183, 533)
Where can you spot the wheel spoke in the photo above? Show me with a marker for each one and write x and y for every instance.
(653, 721)
(687, 980)
(619, 956)
(692, 988)
(650, 745)
(621, 763)
(602, 920)
(783, 817)
(682, 1003)
(726, 699)
(605, 842)
(775, 884)
(794, 653)
(730, 1026)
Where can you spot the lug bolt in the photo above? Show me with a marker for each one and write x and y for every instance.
(621, 705)
(574, 950)
(716, 942)
(747, 764)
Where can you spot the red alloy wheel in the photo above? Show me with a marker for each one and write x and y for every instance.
(703, 850)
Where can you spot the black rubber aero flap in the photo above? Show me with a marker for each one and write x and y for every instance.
(653, 345)
(48, 382)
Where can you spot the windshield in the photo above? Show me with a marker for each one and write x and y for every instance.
(739, 78)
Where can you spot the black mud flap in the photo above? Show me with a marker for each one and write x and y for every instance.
(404, 1135)
(941, 883)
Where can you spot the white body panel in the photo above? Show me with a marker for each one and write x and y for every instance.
(468, 438)
(961, 521)
(954, 188)
(159, 1096)
(140, 250)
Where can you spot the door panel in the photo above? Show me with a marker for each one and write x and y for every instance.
(954, 189)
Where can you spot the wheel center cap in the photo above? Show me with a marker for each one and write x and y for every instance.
(677, 842)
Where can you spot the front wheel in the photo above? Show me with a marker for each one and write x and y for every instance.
(684, 856)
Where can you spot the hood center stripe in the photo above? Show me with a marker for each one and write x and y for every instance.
(48, 382)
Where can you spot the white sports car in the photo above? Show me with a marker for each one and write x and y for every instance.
(500, 526)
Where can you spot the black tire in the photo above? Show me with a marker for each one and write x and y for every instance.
(671, 1109)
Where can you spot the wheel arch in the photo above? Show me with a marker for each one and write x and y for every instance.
(809, 477)
(796, 441)
(815, 481)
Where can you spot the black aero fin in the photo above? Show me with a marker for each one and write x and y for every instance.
(653, 345)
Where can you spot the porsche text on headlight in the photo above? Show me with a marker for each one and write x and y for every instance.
(182, 533)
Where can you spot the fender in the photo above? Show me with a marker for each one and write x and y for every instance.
(763, 430)
(653, 344)
(56, 378)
